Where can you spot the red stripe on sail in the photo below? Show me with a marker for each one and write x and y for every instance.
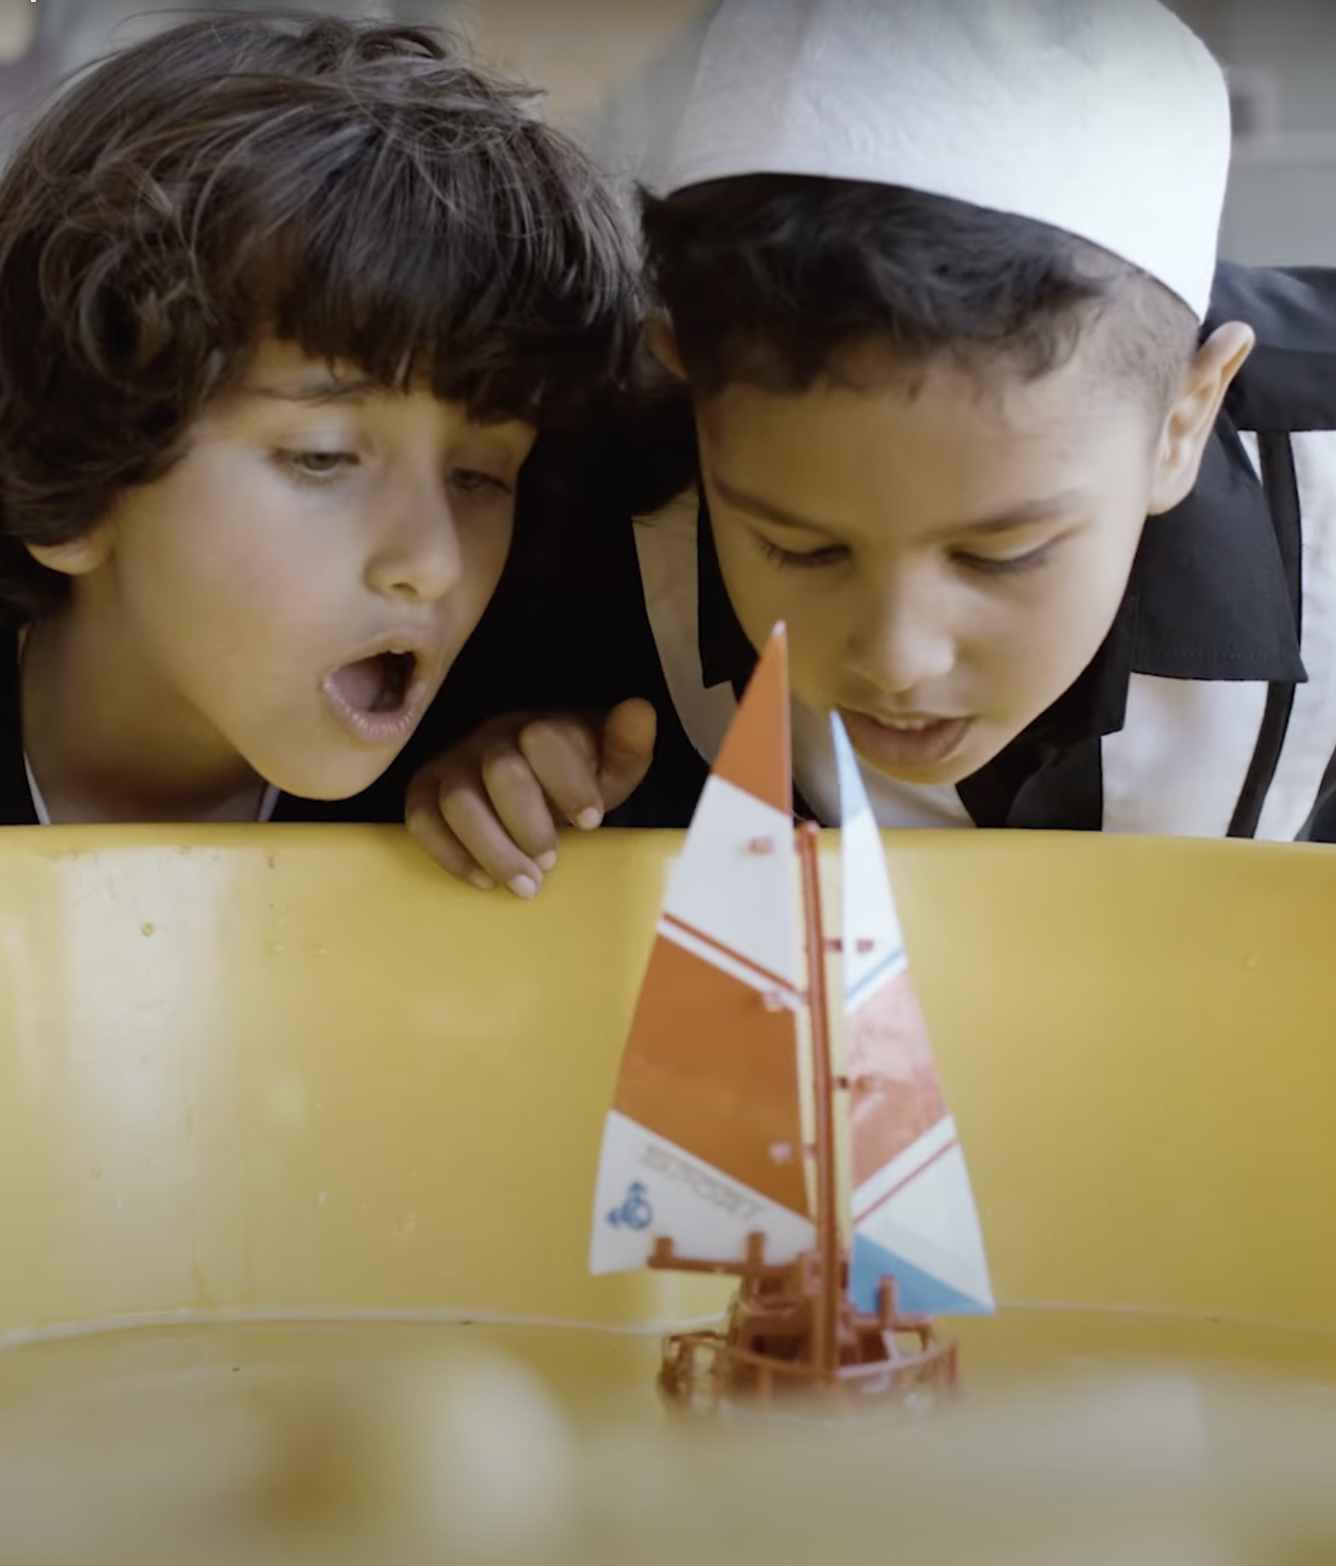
(908, 1180)
(771, 980)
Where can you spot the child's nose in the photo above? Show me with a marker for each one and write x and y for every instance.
(903, 650)
(418, 553)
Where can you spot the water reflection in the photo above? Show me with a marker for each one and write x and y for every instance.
(485, 1453)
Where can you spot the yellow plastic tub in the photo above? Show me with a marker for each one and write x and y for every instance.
(282, 1075)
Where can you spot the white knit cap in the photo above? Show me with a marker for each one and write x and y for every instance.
(1106, 118)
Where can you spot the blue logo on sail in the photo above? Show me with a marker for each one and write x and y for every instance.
(635, 1211)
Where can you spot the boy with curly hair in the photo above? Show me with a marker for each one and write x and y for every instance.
(287, 305)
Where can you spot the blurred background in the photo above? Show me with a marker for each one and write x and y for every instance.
(616, 71)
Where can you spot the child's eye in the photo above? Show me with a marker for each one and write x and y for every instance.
(1014, 566)
(473, 481)
(831, 554)
(317, 466)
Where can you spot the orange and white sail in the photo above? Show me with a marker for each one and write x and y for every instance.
(914, 1217)
(704, 1143)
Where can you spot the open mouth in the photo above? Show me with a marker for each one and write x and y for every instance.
(895, 745)
(375, 685)
(379, 699)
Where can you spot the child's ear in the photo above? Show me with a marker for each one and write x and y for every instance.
(77, 556)
(661, 340)
(1195, 409)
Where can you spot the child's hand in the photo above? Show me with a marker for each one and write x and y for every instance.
(487, 810)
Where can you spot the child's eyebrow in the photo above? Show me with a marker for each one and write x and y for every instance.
(1026, 514)
(327, 388)
(766, 510)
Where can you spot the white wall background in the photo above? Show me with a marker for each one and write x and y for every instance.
(616, 71)
(1282, 199)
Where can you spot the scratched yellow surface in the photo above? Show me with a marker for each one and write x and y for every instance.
(281, 1099)
(296, 1067)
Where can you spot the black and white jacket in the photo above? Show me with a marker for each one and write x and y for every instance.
(1211, 708)
(1209, 711)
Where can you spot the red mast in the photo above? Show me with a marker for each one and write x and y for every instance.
(825, 1347)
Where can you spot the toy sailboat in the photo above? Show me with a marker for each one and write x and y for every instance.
(839, 1198)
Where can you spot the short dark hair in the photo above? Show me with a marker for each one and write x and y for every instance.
(771, 279)
(363, 190)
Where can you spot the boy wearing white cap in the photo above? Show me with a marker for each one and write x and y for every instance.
(939, 275)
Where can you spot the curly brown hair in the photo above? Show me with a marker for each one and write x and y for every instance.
(363, 190)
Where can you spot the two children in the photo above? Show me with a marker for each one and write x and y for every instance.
(1046, 499)
(286, 306)
(289, 305)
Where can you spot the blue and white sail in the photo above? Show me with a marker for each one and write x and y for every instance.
(914, 1217)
